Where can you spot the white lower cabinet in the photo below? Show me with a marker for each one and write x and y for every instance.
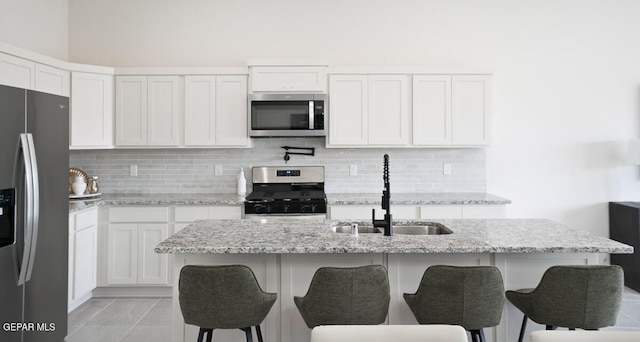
(83, 256)
(131, 259)
(133, 233)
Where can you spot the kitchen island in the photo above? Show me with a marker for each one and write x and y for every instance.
(284, 254)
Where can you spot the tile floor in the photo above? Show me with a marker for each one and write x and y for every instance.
(149, 319)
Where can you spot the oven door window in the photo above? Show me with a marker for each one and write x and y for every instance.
(279, 115)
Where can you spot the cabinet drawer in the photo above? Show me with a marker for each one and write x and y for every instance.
(190, 214)
(139, 214)
(484, 211)
(225, 212)
(441, 212)
(86, 219)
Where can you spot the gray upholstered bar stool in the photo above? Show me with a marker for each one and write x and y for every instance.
(470, 296)
(223, 297)
(583, 297)
(346, 296)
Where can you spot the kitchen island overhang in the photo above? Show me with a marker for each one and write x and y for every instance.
(274, 236)
(284, 255)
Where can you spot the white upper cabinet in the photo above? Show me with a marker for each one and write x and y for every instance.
(23, 73)
(165, 94)
(369, 110)
(148, 110)
(91, 110)
(389, 110)
(471, 110)
(409, 110)
(52, 80)
(216, 111)
(348, 116)
(17, 72)
(432, 110)
(131, 110)
(289, 78)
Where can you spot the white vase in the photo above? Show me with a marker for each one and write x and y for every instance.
(79, 186)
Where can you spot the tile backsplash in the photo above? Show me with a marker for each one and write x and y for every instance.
(194, 170)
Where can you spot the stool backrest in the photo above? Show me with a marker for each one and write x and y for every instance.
(222, 297)
(470, 296)
(585, 297)
(349, 295)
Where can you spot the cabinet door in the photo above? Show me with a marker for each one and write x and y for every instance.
(85, 261)
(91, 110)
(231, 111)
(152, 267)
(122, 254)
(471, 109)
(52, 80)
(17, 72)
(131, 110)
(348, 117)
(432, 110)
(389, 110)
(200, 111)
(164, 110)
(270, 78)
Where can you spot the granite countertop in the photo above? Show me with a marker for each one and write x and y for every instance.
(332, 199)
(157, 199)
(315, 236)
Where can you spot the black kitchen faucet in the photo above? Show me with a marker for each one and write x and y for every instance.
(386, 202)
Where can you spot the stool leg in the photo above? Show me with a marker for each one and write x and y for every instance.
(481, 332)
(474, 335)
(259, 333)
(202, 332)
(247, 332)
(523, 328)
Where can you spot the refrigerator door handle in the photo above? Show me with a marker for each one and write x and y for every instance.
(23, 157)
(35, 214)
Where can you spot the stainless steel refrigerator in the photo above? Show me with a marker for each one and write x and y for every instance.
(34, 211)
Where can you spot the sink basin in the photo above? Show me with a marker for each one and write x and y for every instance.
(430, 228)
(361, 229)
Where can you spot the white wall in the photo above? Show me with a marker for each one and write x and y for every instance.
(567, 79)
(36, 25)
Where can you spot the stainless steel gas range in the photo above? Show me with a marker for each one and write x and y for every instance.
(287, 192)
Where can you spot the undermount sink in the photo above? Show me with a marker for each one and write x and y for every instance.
(430, 228)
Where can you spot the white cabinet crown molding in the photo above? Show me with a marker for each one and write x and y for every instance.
(181, 71)
(409, 70)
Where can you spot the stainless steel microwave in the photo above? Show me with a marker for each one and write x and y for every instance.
(287, 115)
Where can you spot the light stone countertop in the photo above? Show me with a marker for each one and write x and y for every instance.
(315, 236)
(332, 199)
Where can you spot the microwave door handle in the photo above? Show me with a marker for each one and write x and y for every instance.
(311, 116)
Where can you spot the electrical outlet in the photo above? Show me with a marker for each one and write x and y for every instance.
(218, 170)
(133, 170)
(353, 170)
(446, 169)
